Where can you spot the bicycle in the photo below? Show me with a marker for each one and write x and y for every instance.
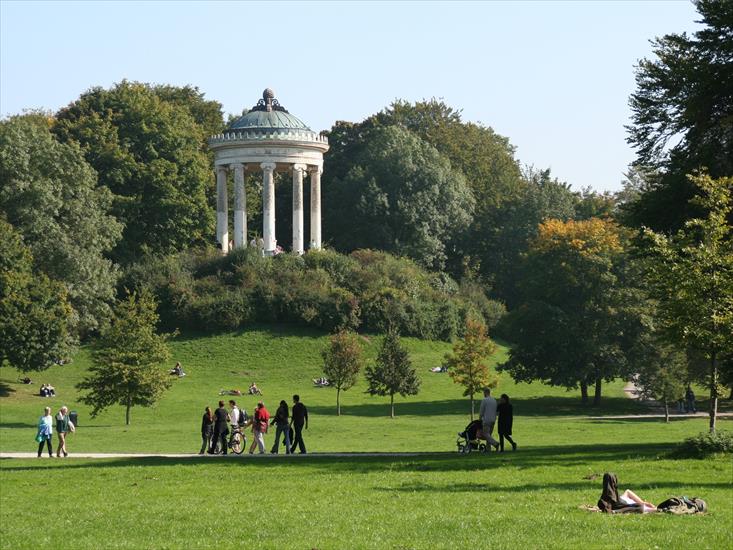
(237, 441)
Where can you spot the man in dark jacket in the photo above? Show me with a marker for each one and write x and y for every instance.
(221, 429)
(299, 419)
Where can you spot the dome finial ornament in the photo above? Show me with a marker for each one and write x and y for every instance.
(268, 95)
(268, 102)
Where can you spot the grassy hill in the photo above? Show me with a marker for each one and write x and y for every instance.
(283, 360)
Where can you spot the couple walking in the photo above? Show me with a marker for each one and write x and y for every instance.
(297, 422)
(488, 413)
(45, 431)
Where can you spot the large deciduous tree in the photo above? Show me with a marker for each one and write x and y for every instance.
(691, 275)
(148, 146)
(127, 359)
(50, 195)
(393, 372)
(682, 116)
(34, 312)
(342, 362)
(404, 197)
(467, 364)
(579, 315)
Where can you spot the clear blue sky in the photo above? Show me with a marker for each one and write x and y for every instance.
(552, 76)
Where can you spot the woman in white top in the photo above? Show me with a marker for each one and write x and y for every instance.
(45, 431)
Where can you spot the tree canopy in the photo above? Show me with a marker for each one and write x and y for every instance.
(50, 195)
(342, 361)
(148, 146)
(392, 372)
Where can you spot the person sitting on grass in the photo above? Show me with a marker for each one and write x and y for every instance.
(629, 502)
(254, 390)
(320, 382)
(26, 380)
(177, 371)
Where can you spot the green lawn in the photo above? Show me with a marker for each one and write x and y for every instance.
(527, 499)
(283, 360)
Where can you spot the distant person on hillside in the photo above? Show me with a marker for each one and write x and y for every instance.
(298, 420)
(254, 390)
(207, 430)
(177, 371)
(505, 420)
(280, 420)
(690, 400)
(26, 380)
(487, 414)
(63, 426)
(45, 432)
(259, 428)
(221, 429)
(611, 503)
(230, 392)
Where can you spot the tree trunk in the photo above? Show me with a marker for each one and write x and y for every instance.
(472, 413)
(597, 394)
(391, 405)
(713, 391)
(127, 413)
(666, 411)
(584, 393)
(338, 401)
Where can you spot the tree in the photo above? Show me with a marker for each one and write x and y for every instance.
(148, 148)
(126, 369)
(393, 372)
(34, 311)
(682, 116)
(404, 197)
(467, 366)
(691, 275)
(50, 195)
(342, 361)
(580, 312)
(661, 371)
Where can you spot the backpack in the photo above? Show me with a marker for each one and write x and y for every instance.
(683, 505)
(242, 417)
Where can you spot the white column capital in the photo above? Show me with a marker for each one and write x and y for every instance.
(222, 168)
(237, 166)
(268, 166)
(313, 170)
(300, 167)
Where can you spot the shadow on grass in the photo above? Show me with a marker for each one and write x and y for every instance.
(271, 330)
(6, 389)
(533, 406)
(596, 457)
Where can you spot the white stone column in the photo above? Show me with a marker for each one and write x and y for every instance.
(268, 207)
(240, 208)
(222, 209)
(315, 174)
(298, 208)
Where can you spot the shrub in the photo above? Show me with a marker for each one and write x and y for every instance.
(705, 444)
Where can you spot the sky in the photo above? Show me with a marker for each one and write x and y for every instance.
(554, 77)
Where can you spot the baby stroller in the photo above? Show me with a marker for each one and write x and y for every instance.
(471, 438)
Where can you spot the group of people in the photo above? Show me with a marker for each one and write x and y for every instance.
(47, 390)
(687, 403)
(501, 413)
(217, 425)
(64, 425)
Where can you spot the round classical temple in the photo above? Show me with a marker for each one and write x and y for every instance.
(268, 139)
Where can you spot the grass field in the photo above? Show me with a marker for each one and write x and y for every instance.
(528, 499)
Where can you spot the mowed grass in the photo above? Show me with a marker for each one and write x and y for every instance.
(527, 499)
(283, 361)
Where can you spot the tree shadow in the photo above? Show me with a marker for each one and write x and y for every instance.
(14, 425)
(6, 389)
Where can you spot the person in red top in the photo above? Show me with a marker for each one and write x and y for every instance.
(259, 428)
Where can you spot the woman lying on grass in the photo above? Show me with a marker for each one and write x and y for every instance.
(612, 503)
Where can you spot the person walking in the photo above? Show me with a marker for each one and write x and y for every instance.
(45, 432)
(233, 414)
(297, 421)
(505, 421)
(487, 414)
(63, 426)
(207, 430)
(690, 400)
(221, 417)
(259, 428)
(280, 420)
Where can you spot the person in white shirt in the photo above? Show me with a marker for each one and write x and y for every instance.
(234, 415)
(487, 414)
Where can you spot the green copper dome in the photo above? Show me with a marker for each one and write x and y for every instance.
(268, 114)
(263, 120)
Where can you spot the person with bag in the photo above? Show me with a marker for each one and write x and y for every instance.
(259, 428)
(45, 432)
(281, 423)
(63, 426)
(207, 430)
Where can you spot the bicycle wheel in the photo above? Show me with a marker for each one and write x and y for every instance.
(237, 443)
